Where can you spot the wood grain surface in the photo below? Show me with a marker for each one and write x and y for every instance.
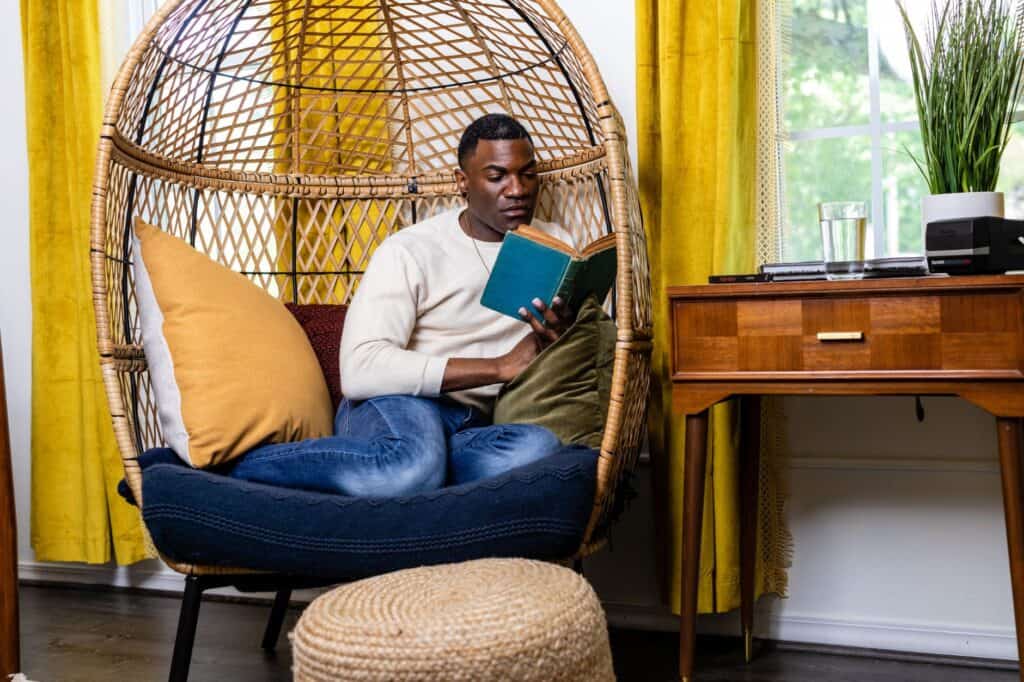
(9, 649)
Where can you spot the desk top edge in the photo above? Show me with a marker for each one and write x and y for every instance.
(858, 286)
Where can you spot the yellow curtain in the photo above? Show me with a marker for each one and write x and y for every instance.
(76, 512)
(696, 104)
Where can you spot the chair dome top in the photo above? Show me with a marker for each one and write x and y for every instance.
(351, 87)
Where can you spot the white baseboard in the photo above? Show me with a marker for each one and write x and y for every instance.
(924, 638)
(141, 576)
(150, 575)
(935, 465)
(939, 639)
(942, 639)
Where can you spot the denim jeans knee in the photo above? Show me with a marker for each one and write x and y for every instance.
(384, 467)
(487, 451)
(386, 446)
(396, 466)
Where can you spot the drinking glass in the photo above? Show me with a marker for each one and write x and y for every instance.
(844, 227)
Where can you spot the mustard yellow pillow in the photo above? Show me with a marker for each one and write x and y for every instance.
(231, 368)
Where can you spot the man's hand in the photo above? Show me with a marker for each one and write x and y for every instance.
(557, 319)
(463, 373)
(516, 360)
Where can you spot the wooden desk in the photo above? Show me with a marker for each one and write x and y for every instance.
(9, 653)
(959, 336)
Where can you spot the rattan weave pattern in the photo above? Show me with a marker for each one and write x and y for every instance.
(491, 619)
(417, 68)
(287, 138)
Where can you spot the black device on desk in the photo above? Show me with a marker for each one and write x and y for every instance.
(974, 246)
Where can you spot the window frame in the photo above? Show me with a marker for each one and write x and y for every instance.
(886, 240)
(875, 129)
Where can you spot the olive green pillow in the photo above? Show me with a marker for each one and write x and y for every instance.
(568, 386)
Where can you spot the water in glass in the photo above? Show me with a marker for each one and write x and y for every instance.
(843, 236)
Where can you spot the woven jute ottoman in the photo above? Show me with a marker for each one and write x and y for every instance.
(491, 619)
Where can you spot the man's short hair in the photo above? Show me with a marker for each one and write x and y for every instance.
(490, 127)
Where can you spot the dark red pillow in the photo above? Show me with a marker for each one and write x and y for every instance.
(323, 325)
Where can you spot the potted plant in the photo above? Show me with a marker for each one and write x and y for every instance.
(967, 83)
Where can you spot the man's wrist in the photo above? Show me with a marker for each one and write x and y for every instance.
(465, 373)
(502, 371)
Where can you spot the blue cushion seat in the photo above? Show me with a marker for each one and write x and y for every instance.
(537, 511)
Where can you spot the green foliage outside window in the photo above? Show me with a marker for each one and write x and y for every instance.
(825, 84)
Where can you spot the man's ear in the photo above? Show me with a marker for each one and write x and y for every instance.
(461, 181)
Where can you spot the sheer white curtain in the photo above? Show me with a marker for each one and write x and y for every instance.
(774, 538)
(121, 21)
(771, 38)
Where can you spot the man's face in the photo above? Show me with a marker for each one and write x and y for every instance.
(500, 184)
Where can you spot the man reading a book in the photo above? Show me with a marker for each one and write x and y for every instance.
(421, 359)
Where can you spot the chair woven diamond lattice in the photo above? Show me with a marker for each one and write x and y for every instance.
(286, 139)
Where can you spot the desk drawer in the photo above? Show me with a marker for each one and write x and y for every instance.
(931, 331)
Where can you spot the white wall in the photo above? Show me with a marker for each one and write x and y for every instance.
(608, 33)
(897, 525)
(15, 305)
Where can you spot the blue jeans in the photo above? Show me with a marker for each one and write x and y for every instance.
(398, 445)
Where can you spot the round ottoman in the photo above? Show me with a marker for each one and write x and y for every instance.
(490, 619)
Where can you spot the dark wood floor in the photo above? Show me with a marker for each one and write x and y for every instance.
(81, 635)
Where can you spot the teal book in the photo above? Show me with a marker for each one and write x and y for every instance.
(533, 264)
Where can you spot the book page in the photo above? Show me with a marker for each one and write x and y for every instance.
(605, 242)
(540, 237)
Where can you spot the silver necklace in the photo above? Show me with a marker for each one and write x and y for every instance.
(478, 255)
(476, 248)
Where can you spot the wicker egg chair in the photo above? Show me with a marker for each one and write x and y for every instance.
(285, 139)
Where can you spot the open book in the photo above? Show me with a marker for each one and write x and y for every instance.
(533, 264)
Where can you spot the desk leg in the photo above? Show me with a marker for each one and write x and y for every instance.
(1013, 490)
(750, 459)
(693, 511)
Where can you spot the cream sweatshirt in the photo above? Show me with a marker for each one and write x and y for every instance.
(418, 305)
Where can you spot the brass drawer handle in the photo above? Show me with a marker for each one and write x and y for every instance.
(840, 336)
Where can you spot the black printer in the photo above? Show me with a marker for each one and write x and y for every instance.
(974, 246)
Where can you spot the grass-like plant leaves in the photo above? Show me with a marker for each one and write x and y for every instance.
(967, 84)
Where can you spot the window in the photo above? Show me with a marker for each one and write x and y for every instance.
(849, 110)
(120, 22)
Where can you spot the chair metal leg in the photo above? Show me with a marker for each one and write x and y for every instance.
(186, 629)
(277, 613)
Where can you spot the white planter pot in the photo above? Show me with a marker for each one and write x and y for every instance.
(960, 205)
